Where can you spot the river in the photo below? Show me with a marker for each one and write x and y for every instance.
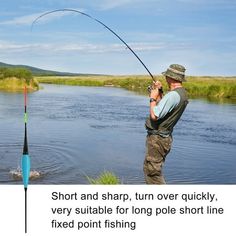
(76, 132)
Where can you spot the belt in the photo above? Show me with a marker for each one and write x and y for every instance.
(153, 132)
(156, 132)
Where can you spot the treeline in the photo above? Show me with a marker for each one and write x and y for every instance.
(19, 73)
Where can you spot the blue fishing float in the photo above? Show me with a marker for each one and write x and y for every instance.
(25, 162)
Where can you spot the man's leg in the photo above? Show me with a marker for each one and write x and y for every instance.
(156, 150)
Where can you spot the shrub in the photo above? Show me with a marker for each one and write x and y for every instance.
(19, 73)
(105, 178)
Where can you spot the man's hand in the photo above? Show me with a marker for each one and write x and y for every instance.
(155, 93)
(157, 85)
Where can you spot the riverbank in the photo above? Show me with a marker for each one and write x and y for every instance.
(215, 87)
(15, 84)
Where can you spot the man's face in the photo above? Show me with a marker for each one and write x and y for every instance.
(168, 81)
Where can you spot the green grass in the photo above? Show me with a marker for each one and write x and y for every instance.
(212, 87)
(217, 87)
(74, 81)
(14, 79)
(105, 177)
(15, 84)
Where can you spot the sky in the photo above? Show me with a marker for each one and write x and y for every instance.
(199, 34)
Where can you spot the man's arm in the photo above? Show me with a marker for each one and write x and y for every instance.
(164, 106)
(152, 115)
(155, 97)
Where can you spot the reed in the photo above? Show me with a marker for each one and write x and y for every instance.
(74, 81)
(15, 84)
(216, 87)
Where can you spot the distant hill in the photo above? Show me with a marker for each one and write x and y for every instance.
(40, 72)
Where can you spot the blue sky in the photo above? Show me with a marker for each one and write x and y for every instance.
(200, 34)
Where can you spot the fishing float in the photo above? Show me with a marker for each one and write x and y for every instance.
(25, 161)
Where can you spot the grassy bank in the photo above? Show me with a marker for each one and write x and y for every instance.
(14, 79)
(216, 87)
(15, 84)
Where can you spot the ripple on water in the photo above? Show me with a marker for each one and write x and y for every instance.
(17, 174)
(48, 162)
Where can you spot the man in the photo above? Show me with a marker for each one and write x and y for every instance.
(164, 114)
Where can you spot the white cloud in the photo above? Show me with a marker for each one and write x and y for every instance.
(28, 19)
(53, 48)
(23, 20)
(108, 48)
(156, 4)
(111, 4)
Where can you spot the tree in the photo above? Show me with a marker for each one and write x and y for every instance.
(20, 73)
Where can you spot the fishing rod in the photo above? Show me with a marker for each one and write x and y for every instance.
(25, 161)
(108, 28)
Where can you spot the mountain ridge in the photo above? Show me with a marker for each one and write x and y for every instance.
(41, 72)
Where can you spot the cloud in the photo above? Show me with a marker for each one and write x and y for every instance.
(28, 19)
(157, 4)
(74, 48)
(92, 48)
(111, 4)
(23, 20)
(9, 47)
(209, 4)
(108, 4)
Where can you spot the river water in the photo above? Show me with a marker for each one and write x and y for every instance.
(76, 132)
